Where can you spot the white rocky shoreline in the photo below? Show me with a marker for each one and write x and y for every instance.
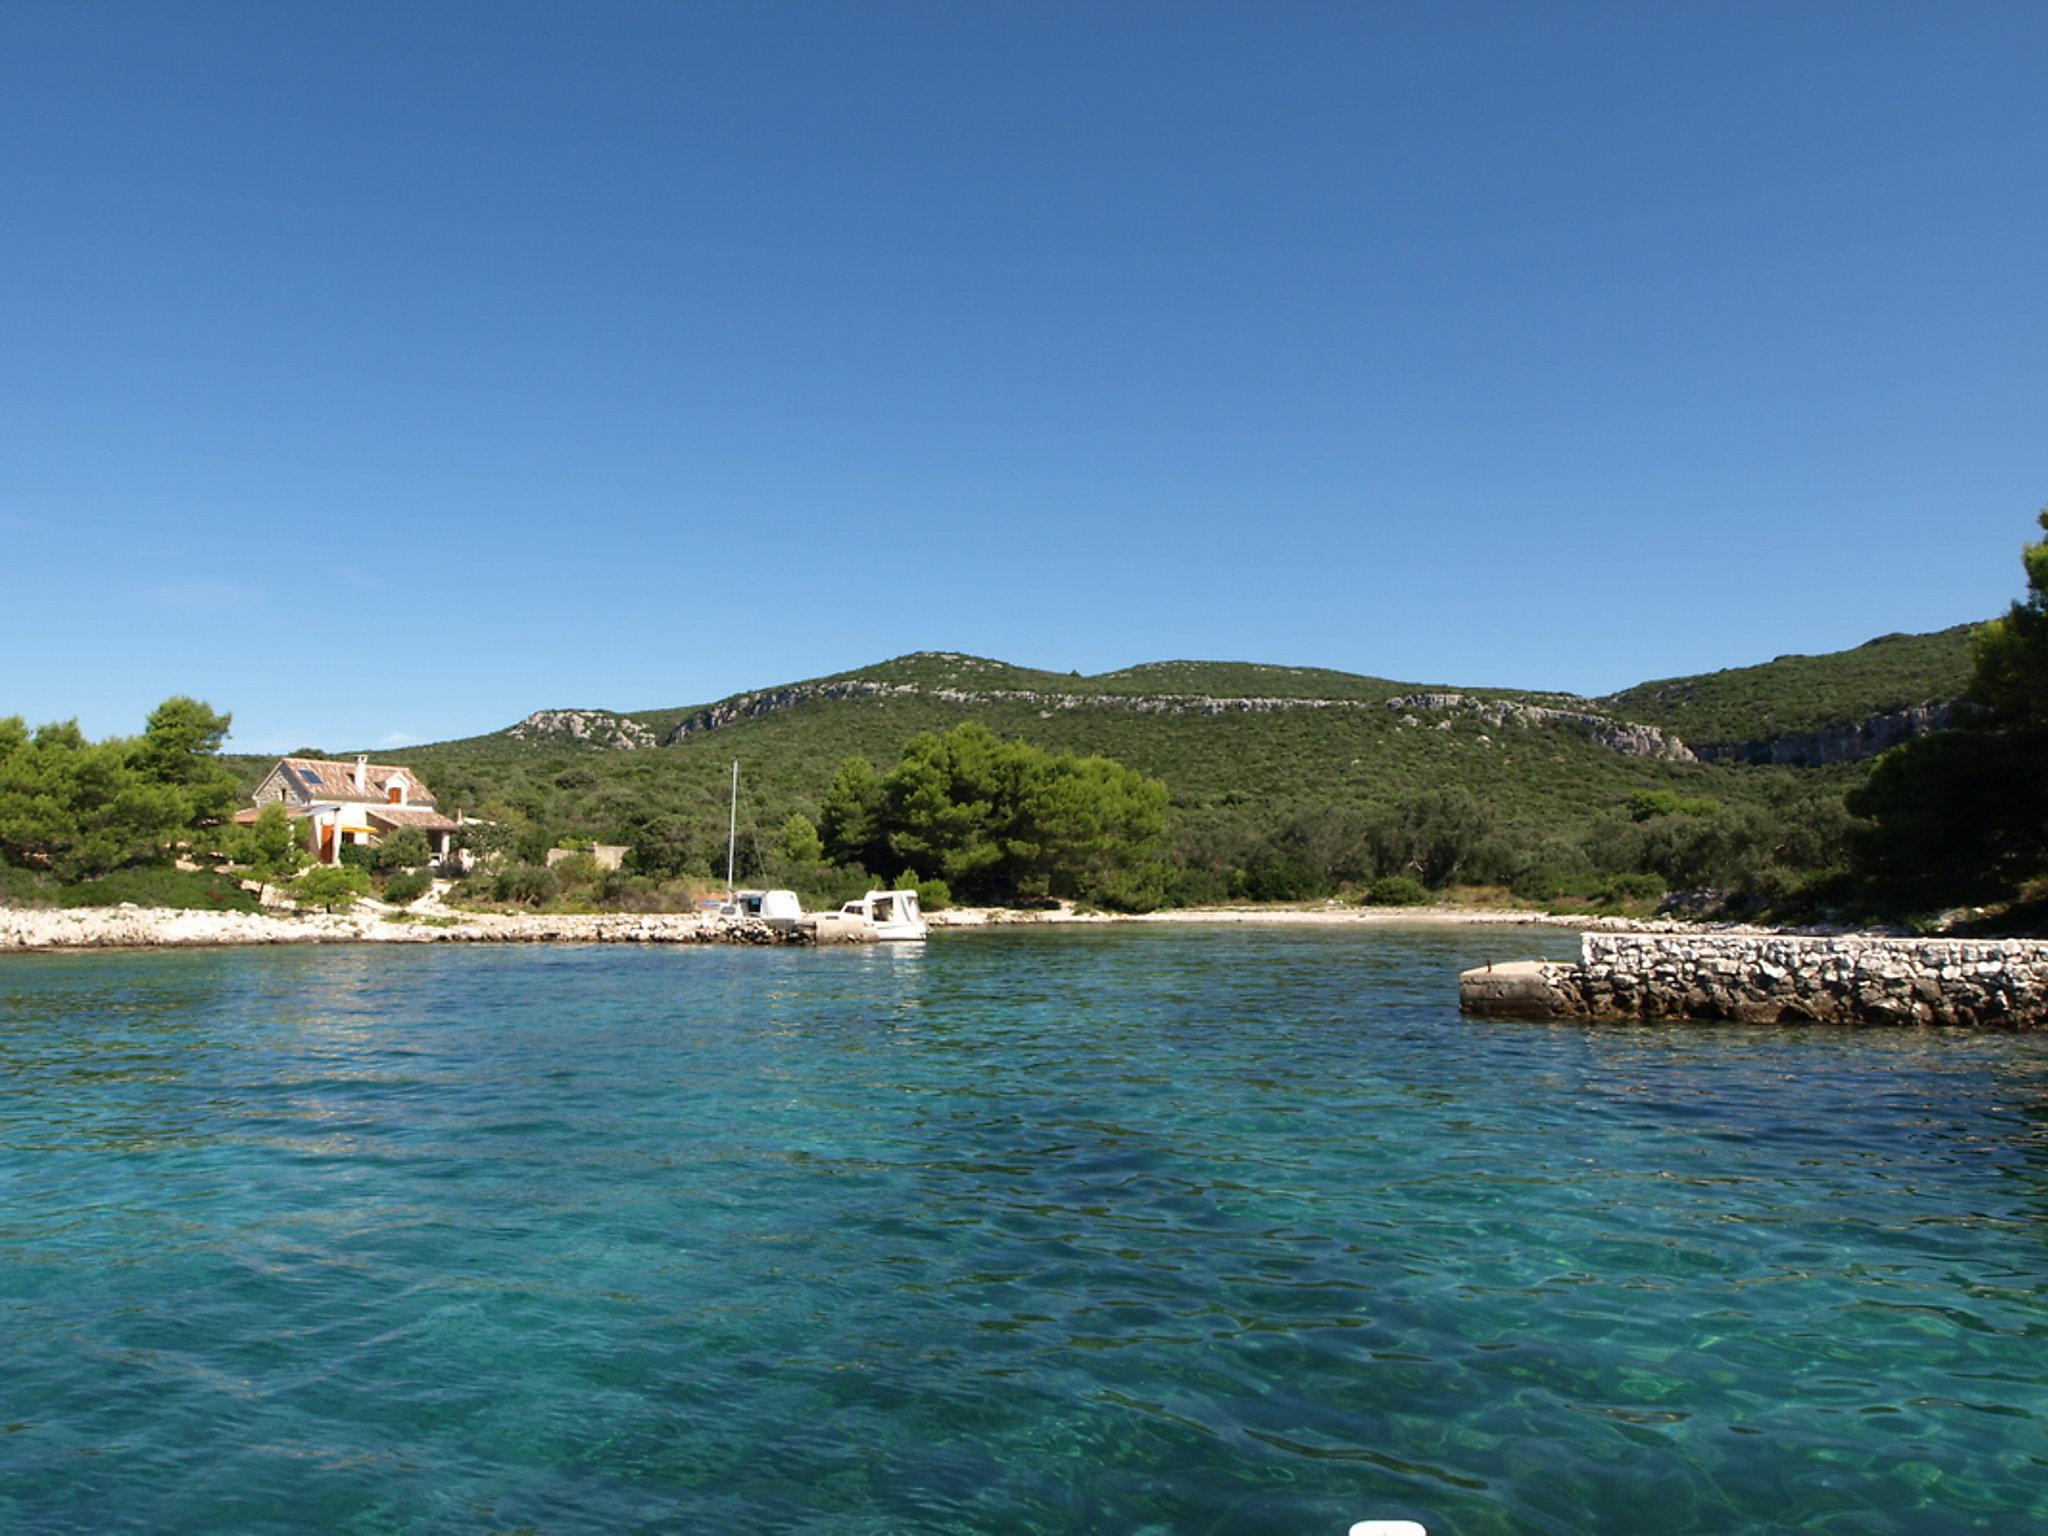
(43, 929)
(34, 929)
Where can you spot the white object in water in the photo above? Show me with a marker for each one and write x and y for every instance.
(769, 906)
(895, 914)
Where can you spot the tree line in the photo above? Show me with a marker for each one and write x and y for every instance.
(1000, 821)
(80, 809)
(1960, 816)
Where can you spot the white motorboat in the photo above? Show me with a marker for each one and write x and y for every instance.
(894, 914)
(769, 906)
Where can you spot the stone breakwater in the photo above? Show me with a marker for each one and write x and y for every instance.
(144, 927)
(1774, 979)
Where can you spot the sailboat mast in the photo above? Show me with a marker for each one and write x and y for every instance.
(732, 827)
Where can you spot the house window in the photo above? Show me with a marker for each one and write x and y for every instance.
(397, 794)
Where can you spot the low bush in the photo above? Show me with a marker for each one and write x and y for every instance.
(1395, 891)
(1646, 804)
(620, 891)
(477, 889)
(332, 886)
(1619, 888)
(358, 856)
(1191, 886)
(410, 886)
(405, 848)
(528, 884)
(932, 895)
(25, 888)
(1538, 885)
(161, 885)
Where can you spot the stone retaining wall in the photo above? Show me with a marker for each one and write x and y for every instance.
(1774, 979)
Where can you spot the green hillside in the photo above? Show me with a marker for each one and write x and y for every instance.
(1803, 693)
(1259, 761)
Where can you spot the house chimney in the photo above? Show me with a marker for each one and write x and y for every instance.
(362, 772)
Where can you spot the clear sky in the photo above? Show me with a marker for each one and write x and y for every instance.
(385, 372)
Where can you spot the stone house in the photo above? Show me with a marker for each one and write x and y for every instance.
(340, 803)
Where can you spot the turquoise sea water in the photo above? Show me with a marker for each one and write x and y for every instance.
(1126, 1231)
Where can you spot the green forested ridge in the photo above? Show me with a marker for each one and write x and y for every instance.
(1178, 781)
(1794, 694)
(1336, 790)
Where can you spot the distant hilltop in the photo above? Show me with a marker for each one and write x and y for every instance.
(1802, 711)
(1281, 783)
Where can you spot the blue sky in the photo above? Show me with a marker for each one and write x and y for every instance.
(383, 372)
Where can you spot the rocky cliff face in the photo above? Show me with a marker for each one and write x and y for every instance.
(1849, 742)
(592, 727)
(1623, 736)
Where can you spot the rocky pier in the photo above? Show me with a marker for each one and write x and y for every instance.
(1774, 979)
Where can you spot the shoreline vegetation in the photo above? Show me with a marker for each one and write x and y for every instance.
(45, 930)
(1325, 789)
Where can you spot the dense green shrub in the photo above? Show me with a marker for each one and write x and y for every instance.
(1620, 888)
(408, 886)
(357, 856)
(799, 842)
(530, 884)
(1002, 820)
(332, 886)
(1395, 891)
(162, 885)
(1438, 837)
(852, 820)
(1544, 883)
(660, 847)
(1197, 887)
(1645, 803)
(266, 848)
(26, 888)
(405, 848)
(932, 895)
(76, 808)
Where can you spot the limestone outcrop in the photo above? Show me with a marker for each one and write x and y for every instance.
(592, 727)
(1850, 741)
(1774, 979)
(1622, 736)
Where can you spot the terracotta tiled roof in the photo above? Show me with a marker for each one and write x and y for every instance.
(329, 779)
(410, 816)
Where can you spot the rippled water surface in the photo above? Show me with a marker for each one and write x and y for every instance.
(1132, 1231)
